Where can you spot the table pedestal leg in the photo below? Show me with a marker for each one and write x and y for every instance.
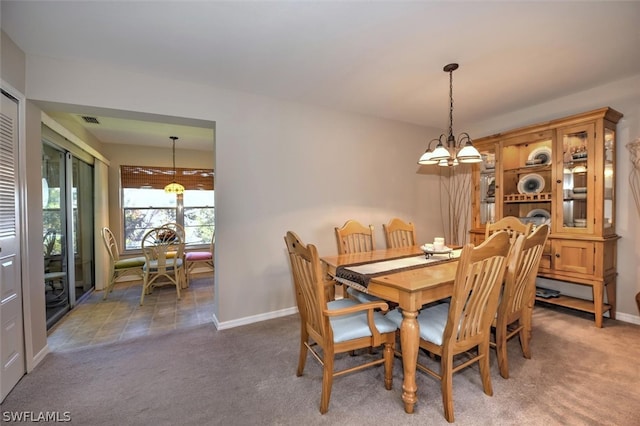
(409, 337)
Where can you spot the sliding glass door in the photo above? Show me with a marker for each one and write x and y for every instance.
(67, 203)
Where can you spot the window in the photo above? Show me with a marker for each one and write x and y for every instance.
(145, 204)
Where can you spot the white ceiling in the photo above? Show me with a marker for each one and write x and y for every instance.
(382, 58)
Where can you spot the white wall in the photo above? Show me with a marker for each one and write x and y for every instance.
(279, 166)
(282, 165)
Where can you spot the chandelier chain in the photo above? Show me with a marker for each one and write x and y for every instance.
(450, 103)
(173, 138)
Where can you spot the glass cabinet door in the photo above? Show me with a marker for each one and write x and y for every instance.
(609, 180)
(577, 190)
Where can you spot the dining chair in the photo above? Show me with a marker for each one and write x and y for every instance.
(512, 225)
(518, 296)
(119, 267)
(353, 237)
(331, 303)
(398, 233)
(179, 229)
(333, 329)
(194, 259)
(464, 323)
(163, 250)
(54, 271)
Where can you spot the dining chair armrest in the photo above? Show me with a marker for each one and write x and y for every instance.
(360, 307)
(370, 309)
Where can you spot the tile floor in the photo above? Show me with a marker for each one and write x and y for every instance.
(120, 317)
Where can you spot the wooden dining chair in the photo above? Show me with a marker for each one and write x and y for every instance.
(398, 233)
(518, 296)
(338, 330)
(119, 267)
(163, 249)
(464, 323)
(512, 225)
(353, 237)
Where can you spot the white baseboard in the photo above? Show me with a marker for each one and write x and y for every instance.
(253, 319)
(633, 319)
(37, 359)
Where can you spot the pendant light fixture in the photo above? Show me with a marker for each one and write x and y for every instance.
(174, 187)
(444, 153)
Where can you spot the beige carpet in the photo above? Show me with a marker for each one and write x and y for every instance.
(579, 375)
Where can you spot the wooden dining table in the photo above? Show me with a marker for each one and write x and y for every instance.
(410, 289)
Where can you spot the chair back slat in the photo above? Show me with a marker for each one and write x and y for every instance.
(398, 233)
(110, 243)
(354, 237)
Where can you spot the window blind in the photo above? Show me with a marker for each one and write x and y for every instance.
(159, 177)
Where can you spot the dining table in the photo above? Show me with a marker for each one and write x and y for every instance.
(410, 288)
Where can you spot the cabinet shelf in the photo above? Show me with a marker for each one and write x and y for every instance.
(573, 303)
(529, 169)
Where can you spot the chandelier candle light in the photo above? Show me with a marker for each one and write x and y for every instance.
(444, 154)
(174, 187)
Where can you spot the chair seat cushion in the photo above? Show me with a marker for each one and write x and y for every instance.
(192, 256)
(169, 264)
(432, 321)
(355, 326)
(362, 297)
(131, 262)
(394, 316)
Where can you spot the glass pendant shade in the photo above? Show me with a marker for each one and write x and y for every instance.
(174, 188)
(427, 159)
(469, 154)
(441, 153)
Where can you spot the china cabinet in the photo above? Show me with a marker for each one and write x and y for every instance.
(560, 172)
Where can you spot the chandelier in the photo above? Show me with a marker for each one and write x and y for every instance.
(448, 151)
(174, 187)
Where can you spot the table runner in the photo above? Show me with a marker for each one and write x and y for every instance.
(359, 275)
